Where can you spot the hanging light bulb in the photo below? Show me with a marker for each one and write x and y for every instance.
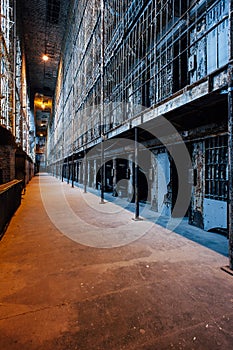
(45, 57)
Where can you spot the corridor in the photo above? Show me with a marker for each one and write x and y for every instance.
(76, 274)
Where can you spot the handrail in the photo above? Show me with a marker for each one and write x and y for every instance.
(10, 200)
(6, 186)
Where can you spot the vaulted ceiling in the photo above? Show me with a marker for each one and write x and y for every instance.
(42, 25)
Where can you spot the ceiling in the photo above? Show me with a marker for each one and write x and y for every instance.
(42, 24)
(43, 28)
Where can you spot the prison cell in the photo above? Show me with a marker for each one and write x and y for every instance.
(152, 50)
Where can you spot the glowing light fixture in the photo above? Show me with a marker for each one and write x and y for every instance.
(45, 57)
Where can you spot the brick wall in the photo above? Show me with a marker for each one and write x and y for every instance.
(7, 163)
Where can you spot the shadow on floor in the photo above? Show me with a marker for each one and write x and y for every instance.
(212, 240)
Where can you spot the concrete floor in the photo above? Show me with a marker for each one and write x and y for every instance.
(99, 280)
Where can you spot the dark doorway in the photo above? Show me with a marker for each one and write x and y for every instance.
(174, 185)
(174, 188)
(142, 186)
(108, 176)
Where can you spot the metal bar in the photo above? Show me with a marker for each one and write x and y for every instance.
(102, 104)
(230, 165)
(72, 170)
(85, 172)
(14, 73)
(73, 116)
(136, 174)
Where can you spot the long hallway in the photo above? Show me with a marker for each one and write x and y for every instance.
(99, 280)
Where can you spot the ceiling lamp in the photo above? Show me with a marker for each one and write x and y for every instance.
(45, 57)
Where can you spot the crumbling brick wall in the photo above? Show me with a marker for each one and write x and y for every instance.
(7, 163)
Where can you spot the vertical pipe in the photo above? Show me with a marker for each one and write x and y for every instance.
(230, 165)
(136, 173)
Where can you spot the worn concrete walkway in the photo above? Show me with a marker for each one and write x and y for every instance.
(76, 274)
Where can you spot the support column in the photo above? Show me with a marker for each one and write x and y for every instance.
(72, 170)
(230, 165)
(85, 172)
(102, 4)
(136, 216)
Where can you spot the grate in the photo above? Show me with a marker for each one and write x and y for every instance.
(216, 168)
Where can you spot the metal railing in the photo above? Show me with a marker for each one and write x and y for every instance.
(10, 200)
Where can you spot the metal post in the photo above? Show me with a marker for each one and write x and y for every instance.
(102, 105)
(85, 172)
(102, 172)
(230, 165)
(136, 217)
(72, 170)
(73, 116)
(14, 72)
